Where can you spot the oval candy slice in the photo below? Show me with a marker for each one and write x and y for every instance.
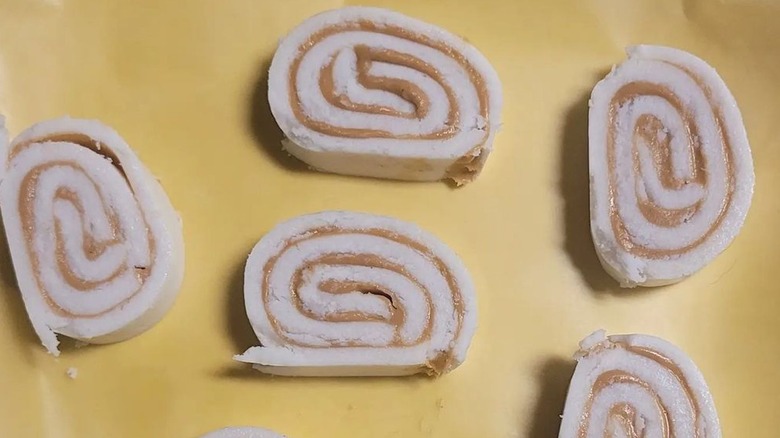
(96, 245)
(353, 294)
(371, 92)
(637, 386)
(670, 166)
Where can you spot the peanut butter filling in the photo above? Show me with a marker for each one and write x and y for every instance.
(650, 131)
(92, 248)
(409, 91)
(397, 310)
(626, 414)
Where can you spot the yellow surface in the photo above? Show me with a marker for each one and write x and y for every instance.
(184, 82)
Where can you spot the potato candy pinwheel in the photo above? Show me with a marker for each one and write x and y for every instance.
(371, 92)
(96, 245)
(670, 166)
(353, 294)
(637, 386)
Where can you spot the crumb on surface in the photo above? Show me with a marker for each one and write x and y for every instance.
(72, 372)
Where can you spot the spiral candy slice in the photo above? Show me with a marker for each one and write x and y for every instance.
(371, 92)
(637, 386)
(670, 166)
(242, 432)
(96, 245)
(351, 294)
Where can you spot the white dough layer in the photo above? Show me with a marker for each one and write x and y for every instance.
(671, 172)
(353, 294)
(96, 245)
(371, 92)
(636, 386)
(243, 432)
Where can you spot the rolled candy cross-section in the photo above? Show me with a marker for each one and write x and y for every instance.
(96, 245)
(243, 432)
(353, 294)
(637, 386)
(670, 166)
(371, 92)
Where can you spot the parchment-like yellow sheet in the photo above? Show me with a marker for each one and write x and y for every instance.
(183, 82)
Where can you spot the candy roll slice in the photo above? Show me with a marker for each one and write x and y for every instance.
(670, 167)
(243, 432)
(637, 386)
(371, 92)
(96, 245)
(352, 294)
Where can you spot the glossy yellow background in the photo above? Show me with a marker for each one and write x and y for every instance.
(184, 83)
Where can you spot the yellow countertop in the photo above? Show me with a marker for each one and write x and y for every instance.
(184, 84)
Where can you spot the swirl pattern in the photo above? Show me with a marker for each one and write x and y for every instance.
(370, 92)
(671, 168)
(95, 243)
(637, 386)
(339, 293)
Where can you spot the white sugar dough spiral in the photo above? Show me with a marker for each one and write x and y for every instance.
(243, 432)
(370, 92)
(670, 166)
(96, 245)
(637, 386)
(350, 294)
